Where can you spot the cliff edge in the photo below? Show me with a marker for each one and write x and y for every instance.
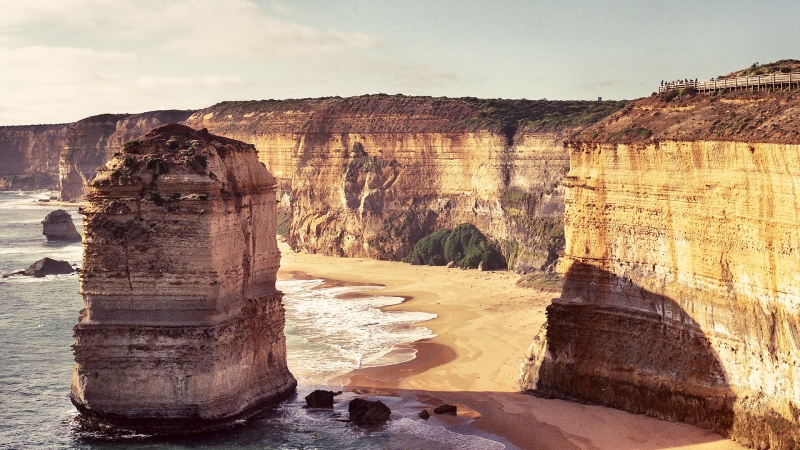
(681, 289)
(183, 326)
(369, 176)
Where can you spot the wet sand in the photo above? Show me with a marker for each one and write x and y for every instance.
(484, 325)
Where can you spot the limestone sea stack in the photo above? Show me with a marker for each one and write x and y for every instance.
(58, 227)
(183, 326)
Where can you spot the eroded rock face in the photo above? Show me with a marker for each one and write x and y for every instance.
(29, 156)
(57, 226)
(92, 141)
(681, 287)
(369, 176)
(183, 326)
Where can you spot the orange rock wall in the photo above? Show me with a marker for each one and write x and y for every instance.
(682, 286)
(369, 181)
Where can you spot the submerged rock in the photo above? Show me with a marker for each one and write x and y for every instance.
(321, 399)
(47, 266)
(58, 227)
(183, 326)
(365, 412)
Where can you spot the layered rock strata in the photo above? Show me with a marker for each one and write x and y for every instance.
(58, 226)
(91, 142)
(682, 271)
(66, 156)
(369, 176)
(183, 326)
(29, 156)
(365, 176)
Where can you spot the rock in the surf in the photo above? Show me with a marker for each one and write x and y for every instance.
(424, 414)
(58, 227)
(321, 399)
(446, 409)
(47, 266)
(365, 412)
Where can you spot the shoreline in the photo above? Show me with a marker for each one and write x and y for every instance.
(484, 325)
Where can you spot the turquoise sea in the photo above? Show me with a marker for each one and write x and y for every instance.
(326, 337)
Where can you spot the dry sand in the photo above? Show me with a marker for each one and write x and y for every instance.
(484, 325)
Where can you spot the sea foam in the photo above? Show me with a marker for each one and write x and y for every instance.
(328, 336)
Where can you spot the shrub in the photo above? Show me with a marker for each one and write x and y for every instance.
(132, 144)
(430, 249)
(643, 132)
(157, 165)
(465, 245)
(468, 247)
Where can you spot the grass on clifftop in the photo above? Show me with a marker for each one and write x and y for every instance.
(782, 66)
(502, 116)
(507, 116)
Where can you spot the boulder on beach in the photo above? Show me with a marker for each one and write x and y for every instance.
(446, 409)
(365, 412)
(321, 399)
(47, 266)
(58, 227)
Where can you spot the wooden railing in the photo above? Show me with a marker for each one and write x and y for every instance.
(758, 82)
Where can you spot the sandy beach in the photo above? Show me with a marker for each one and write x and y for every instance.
(483, 326)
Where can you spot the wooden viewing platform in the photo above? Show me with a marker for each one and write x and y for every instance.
(757, 82)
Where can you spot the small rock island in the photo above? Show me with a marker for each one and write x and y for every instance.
(183, 325)
(58, 227)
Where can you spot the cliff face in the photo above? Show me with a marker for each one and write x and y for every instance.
(66, 156)
(92, 141)
(369, 176)
(681, 265)
(29, 155)
(183, 326)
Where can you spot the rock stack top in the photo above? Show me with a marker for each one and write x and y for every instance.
(57, 226)
(175, 162)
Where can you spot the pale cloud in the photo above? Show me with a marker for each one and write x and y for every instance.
(66, 84)
(282, 9)
(206, 28)
(212, 81)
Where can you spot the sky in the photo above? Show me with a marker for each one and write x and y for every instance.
(63, 60)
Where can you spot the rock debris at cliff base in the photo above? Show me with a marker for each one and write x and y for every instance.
(183, 326)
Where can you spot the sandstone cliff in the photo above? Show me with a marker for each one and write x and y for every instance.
(92, 141)
(369, 176)
(65, 156)
(364, 176)
(29, 156)
(681, 265)
(183, 326)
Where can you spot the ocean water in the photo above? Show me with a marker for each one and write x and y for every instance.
(326, 336)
